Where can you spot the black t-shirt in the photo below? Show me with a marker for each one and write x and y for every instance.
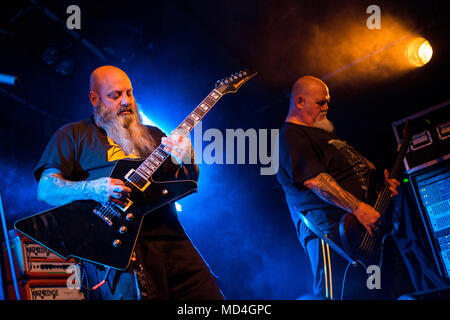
(307, 151)
(82, 151)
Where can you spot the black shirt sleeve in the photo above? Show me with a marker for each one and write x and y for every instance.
(303, 161)
(59, 154)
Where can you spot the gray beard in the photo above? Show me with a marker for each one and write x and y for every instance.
(126, 130)
(324, 124)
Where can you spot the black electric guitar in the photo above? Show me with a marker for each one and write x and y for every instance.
(107, 234)
(358, 243)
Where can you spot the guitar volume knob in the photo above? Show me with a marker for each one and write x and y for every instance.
(129, 216)
(117, 243)
(123, 229)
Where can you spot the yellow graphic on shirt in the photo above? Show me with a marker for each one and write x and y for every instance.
(115, 152)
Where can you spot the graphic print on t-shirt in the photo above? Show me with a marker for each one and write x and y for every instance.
(358, 163)
(115, 152)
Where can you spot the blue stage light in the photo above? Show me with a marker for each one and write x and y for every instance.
(146, 120)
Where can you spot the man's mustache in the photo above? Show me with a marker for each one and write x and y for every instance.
(128, 108)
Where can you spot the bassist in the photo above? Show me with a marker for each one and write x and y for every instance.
(323, 178)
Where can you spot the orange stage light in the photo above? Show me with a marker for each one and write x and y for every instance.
(419, 52)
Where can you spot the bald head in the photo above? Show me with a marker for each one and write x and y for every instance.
(110, 85)
(309, 101)
(106, 76)
(306, 86)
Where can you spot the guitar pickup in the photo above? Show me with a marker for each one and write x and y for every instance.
(137, 180)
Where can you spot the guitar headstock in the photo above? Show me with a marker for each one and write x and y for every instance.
(232, 83)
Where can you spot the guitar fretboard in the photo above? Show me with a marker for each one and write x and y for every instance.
(155, 160)
(383, 200)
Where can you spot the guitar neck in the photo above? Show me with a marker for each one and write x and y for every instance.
(158, 156)
(385, 195)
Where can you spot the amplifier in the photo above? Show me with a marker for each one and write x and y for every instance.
(45, 289)
(431, 188)
(430, 137)
(32, 260)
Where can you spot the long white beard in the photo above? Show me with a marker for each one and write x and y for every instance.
(126, 130)
(324, 124)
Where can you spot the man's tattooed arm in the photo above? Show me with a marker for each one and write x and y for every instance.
(324, 186)
(55, 190)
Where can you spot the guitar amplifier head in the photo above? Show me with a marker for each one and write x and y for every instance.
(430, 136)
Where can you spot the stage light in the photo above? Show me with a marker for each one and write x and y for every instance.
(419, 52)
(146, 120)
(50, 55)
(65, 66)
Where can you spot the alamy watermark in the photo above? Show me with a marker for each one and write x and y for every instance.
(73, 281)
(236, 146)
(374, 279)
(374, 20)
(74, 20)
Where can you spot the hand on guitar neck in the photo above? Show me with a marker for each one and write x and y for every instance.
(393, 183)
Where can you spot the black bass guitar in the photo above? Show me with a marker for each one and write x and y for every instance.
(358, 243)
(106, 234)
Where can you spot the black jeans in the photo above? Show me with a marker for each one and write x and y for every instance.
(165, 268)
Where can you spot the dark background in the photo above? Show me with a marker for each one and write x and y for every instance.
(174, 51)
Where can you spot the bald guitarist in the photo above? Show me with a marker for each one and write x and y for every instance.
(324, 178)
(75, 166)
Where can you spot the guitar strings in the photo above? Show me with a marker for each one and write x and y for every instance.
(369, 241)
(107, 210)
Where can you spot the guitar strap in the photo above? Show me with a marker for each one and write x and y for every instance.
(326, 243)
(326, 239)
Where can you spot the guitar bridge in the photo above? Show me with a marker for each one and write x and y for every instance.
(137, 180)
(103, 216)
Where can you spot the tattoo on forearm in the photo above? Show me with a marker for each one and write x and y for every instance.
(324, 186)
(56, 190)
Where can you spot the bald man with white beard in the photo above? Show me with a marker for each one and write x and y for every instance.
(76, 165)
(323, 178)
